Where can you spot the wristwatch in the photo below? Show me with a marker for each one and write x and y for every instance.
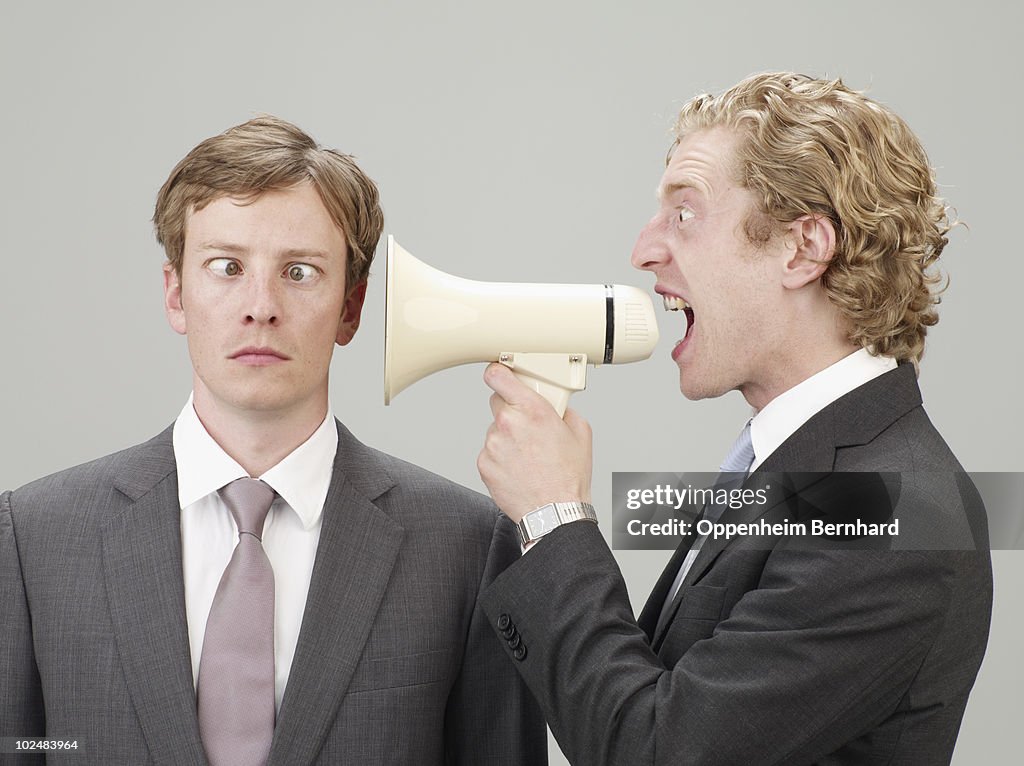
(543, 520)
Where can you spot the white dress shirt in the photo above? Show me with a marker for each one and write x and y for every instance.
(784, 414)
(290, 535)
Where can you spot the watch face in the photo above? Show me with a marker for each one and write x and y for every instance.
(541, 522)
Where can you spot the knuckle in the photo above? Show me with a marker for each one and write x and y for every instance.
(536, 412)
(502, 420)
(491, 372)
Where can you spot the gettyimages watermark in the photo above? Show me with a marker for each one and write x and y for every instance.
(875, 510)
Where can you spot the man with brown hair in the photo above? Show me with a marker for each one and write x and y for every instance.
(254, 585)
(796, 228)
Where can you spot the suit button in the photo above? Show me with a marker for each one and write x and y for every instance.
(515, 641)
(520, 652)
(509, 632)
(504, 621)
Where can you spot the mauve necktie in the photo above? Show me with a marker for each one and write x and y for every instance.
(236, 671)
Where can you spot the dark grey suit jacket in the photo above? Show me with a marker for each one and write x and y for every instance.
(395, 662)
(770, 655)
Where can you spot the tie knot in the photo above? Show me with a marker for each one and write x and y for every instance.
(249, 500)
(741, 454)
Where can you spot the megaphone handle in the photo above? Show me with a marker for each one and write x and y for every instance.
(553, 376)
(558, 396)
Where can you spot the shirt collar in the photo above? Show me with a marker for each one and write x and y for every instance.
(302, 478)
(784, 414)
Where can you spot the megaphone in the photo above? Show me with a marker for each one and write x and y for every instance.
(546, 333)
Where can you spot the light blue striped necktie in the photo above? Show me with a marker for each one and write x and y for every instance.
(733, 469)
(741, 454)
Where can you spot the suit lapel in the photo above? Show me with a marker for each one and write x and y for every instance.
(358, 547)
(146, 594)
(802, 460)
(782, 486)
(853, 419)
(810, 450)
(648, 620)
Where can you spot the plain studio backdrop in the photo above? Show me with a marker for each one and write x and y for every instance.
(511, 142)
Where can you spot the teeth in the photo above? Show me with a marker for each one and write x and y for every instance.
(674, 303)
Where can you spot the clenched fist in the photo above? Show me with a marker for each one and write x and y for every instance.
(531, 456)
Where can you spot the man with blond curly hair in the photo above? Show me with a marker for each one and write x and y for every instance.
(797, 231)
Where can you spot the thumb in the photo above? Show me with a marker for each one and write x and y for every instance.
(505, 384)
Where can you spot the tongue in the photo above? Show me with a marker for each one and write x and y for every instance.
(689, 321)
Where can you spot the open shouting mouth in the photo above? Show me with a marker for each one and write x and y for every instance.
(676, 303)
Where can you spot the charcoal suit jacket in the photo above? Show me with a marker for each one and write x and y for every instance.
(395, 662)
(770, 654)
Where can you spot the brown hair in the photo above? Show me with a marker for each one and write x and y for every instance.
(264, 154)
(816, 147)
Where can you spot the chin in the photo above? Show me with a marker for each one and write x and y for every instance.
(262, 400)
(694, 388)
(692, 392)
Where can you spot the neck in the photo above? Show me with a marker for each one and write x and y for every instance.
(257, 440)
(804, 348)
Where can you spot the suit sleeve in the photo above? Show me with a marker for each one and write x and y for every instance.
(824, 647)
(21, 702)
(492, 717)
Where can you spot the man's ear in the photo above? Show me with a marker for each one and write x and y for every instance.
(813, 242)
(172, 299)
(350, 314)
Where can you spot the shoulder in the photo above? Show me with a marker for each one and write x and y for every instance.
(883, 426)
(410, 491)
(936, 501)
(421, 480)
(443, 521)
(91, 484)
(909, 443)
(416, 482)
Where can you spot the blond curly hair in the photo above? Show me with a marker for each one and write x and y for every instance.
(815, 147)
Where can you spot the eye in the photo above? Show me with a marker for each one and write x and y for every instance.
(301, 272)
(685, 214)
(225, 267)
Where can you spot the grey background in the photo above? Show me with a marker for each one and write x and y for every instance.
(512, 141)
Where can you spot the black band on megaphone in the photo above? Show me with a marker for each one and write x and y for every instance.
(609, 323)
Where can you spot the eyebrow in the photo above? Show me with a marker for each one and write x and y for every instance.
(224, 247)
(661, 192)
(293, 252)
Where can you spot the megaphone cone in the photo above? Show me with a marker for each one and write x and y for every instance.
(547, 333)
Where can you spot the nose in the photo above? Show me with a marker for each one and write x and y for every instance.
(262, 299)
(650, 251)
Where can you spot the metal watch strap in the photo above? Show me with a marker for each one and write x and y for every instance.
(563, 514)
